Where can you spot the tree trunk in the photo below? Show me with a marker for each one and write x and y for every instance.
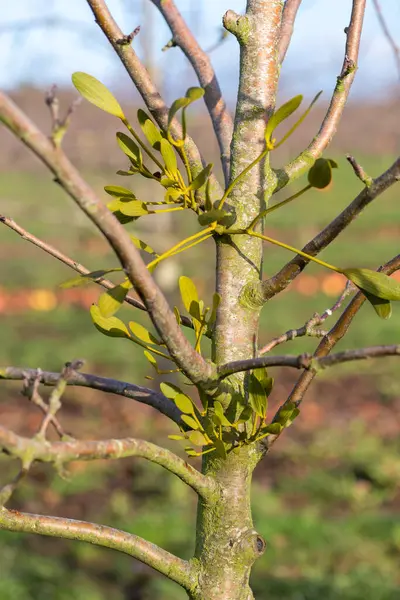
(227, 544)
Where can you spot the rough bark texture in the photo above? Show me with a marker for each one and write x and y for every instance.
(227, 544)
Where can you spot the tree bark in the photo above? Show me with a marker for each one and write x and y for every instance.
(227, 544)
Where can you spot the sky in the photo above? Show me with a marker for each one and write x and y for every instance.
(31, 53)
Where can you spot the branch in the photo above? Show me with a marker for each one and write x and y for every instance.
(311, 327)
(176, 569)
(306, 361)
(387, 34)
(59, 453)
(281, 280)
(189, 361)
(104, 384)
(145, 86)
(328, 342)
(342, 89)
(288, 18)
(105, 283)
(183, 37)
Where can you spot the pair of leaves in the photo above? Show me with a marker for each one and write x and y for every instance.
(195, 307)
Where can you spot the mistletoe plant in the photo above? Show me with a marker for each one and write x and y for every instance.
(224, 416)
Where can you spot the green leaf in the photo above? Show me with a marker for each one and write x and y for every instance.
(193, 424)
(194, 93)
(257, 396)
(297, 123)
(220, 448)
(245, 415)
(96, 92)
(215, 214)
(282, 113)
(197, 438)
(119, 192)
(170, 390)
(188, 292)
(382, 307)
(112, 300)
(177, 437)
(320, 174)
(130, 148)
(176, 106)
(135, 208)
(284, 416)
(110, 326)
(184, 404)
(88, 278)
(266, 382)
(374, 282)
(216, 302)
(142, 334)
(271, 429)
(201, 178)
(141, 245)
(219, 413)
(169, 157)
(151, 360)
(151, 133)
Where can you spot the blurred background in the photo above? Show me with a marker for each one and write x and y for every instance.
(327, 500)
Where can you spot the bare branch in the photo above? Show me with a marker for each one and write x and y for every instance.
(291, 270)
(191, 363)
(145, 86)
(105, 283)
(312, 327)
(288, 18)
(60, 453)
(387, 34)
(104, 384)
(183, 37)
(329, 341)
(342, 89)
(306, 361)
(359, 171)
(176, 569)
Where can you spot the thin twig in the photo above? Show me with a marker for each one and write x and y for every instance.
(31, 390)
(104, 384)
(338, 101)
(359, 171)
(180, 571)
(220, 116)
(60, 453)
(292, 269)
(307, 361)
(312, 327)
(288, 18)
(387, 34)
(79, 268)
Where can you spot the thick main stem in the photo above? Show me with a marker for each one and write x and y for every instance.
(227, 544)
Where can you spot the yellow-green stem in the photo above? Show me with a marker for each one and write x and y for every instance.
(142, 145)
(295, 250)
(173, 250)
(276, 206)
(240, 177)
